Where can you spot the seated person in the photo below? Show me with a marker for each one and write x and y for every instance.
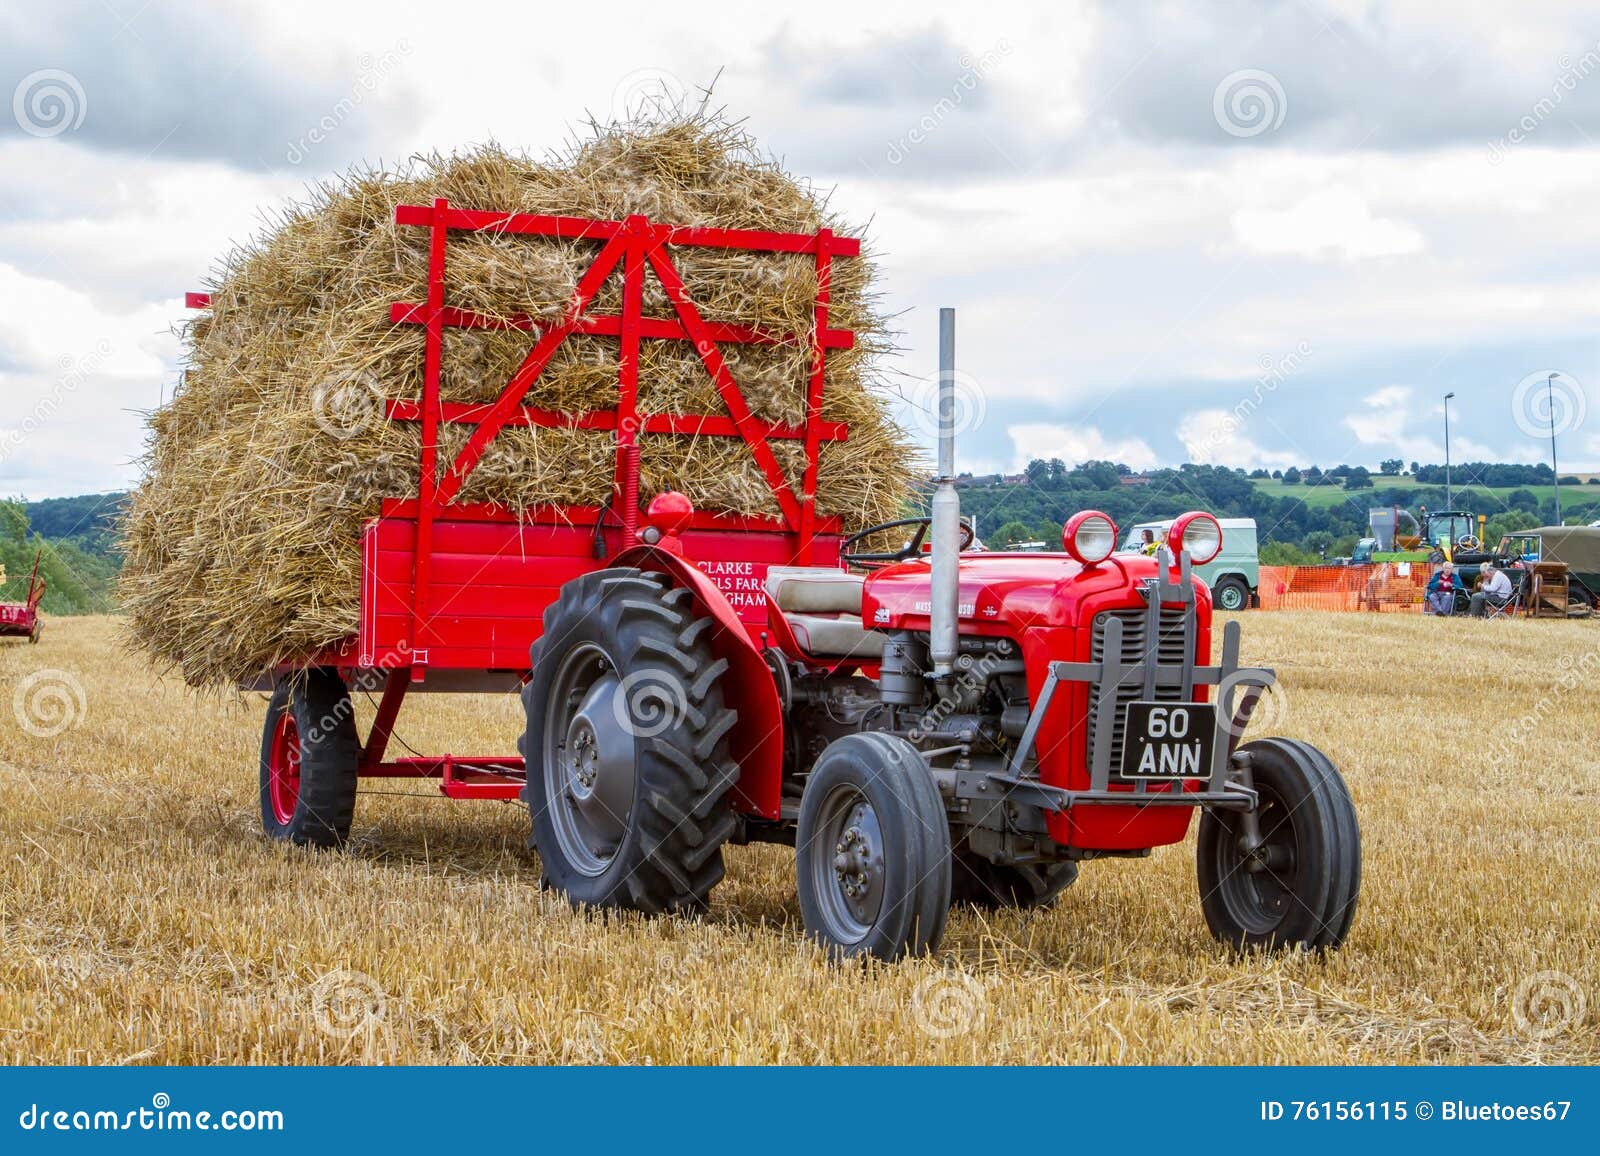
(1442, 589)
(1494, 587)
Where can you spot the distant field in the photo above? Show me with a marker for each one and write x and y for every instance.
(1323, 496)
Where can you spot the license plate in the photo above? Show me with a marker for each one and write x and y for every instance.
(1168, 740)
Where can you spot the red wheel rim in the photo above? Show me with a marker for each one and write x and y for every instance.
(283, 772)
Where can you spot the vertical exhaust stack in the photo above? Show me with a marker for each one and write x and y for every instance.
(944, 613)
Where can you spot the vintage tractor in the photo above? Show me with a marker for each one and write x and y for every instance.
(924, 725)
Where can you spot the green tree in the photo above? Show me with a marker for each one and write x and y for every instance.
(1011, 533)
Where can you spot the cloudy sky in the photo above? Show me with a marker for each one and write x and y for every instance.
(1248, 233)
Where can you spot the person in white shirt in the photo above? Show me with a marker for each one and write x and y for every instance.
(1493, 587)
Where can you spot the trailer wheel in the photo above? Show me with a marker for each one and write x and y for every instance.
(976, 882)
(309, 757)
(873, 850)
(627, 745)
(1231, 594)
(1298, 887)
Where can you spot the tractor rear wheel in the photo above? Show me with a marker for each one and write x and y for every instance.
(1296, 887)
(873, 850)
(627, 745)
(976, 882)
(309, 758)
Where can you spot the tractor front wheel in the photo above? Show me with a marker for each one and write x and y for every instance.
(1293, 881)
(309, 757)
(873, 850)
(627, 745)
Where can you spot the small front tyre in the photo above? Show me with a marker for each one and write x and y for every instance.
(309, 758)
(1297, 886)
(873, 850)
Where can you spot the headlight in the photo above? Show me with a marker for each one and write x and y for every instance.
(1197, 532)
(1089, 536)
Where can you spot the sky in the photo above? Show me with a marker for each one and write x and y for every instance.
(1246, 234)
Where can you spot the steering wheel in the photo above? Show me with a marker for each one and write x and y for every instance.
(912, 549)
(1468, 542)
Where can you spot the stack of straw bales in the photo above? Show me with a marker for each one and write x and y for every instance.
(242, 541)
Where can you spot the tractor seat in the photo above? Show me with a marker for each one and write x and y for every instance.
(822, 605)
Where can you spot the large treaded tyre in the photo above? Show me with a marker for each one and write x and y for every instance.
(873, 850)
(627, 745)
(1300, 889)
(976, 882)
(309, 759)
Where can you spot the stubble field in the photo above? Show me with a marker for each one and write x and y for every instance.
(143, 917)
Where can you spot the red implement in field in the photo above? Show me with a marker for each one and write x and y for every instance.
(21, 619)
(453, 595)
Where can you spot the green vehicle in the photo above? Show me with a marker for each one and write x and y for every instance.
(1233, 575)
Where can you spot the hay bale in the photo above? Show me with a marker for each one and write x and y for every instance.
(242, 542)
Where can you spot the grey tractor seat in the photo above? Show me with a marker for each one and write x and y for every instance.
(822, 605)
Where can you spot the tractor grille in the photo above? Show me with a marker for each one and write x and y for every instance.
(1169, 652)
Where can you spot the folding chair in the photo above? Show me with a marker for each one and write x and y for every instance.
(1511, 607)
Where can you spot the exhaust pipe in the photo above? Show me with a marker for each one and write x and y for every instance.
(944, 613)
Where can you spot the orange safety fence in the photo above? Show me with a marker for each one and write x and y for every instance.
(1382, 586)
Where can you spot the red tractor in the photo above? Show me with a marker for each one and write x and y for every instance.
(925, 725)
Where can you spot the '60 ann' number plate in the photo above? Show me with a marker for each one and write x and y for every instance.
(1168, 740)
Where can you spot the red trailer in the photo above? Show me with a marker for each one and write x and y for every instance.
(923, 725)
(21, 619)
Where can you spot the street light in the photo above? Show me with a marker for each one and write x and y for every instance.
(1550, 385)
(1449, 502)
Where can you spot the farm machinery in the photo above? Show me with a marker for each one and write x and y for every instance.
(21, 619)
(924, 725)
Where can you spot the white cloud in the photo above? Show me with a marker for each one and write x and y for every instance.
(1331, 223)
(1074, 444)
(1217, 437)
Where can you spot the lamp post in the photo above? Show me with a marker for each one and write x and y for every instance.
(1449, 502)
(1550, 386)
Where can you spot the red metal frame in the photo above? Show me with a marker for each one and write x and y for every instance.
(453, 586)
(18, 619)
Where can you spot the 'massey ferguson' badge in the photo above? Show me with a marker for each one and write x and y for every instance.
(1168, 740)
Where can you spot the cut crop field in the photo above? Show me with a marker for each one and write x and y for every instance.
(144, 918)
